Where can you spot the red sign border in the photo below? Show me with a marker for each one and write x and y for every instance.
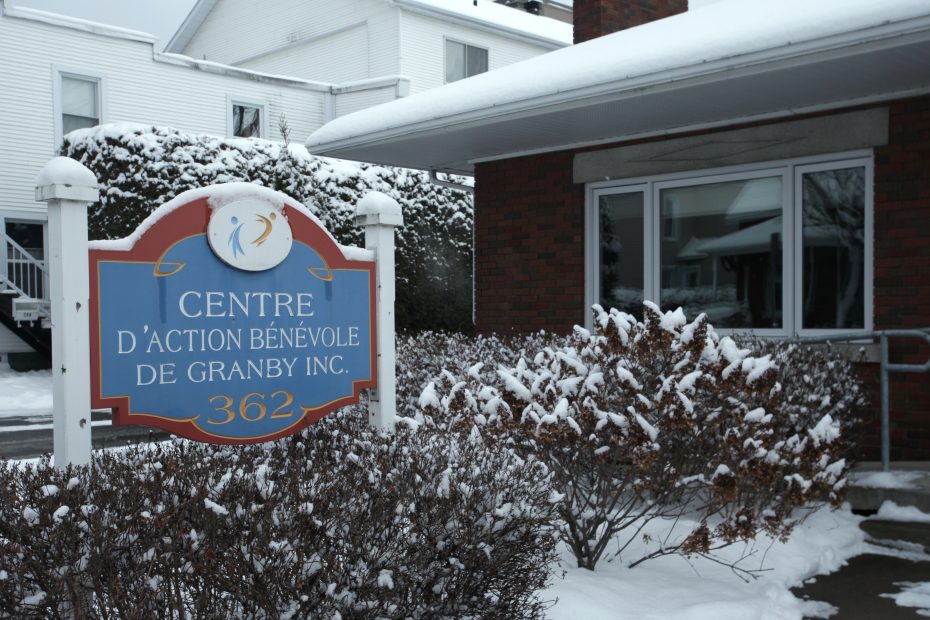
(189, 219)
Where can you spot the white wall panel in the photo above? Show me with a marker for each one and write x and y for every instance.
(242, 31)
(10, 343)
(423, 48)
(346, 103)
(340, 57)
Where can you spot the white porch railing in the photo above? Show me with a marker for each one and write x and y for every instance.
(25, 276)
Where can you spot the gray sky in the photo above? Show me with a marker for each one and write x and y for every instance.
(158, 17)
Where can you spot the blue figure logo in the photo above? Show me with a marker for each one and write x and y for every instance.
(234, 242)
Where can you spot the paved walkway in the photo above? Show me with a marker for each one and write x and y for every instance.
(856, 590)
(31, 436)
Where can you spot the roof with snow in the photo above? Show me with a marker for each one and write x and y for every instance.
(482, 13)
(730, 61)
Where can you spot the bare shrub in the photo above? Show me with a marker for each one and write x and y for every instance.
(654, 419)
(339, 522)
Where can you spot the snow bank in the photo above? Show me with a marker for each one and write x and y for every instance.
(698, 589)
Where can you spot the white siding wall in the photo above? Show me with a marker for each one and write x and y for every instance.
(310, 60)
(136, 88)
(261, 34)
(9, 343)
(423, 48)
(346, 103)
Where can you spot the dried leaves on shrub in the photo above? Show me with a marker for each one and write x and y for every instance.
(651, 420)
(340, 522)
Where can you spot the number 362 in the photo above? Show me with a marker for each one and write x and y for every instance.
(252, 407)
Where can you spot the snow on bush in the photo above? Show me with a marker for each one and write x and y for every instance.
(654, 419)
(337, 522)
(816, 381)
(140, 167)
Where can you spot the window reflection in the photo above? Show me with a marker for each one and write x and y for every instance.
(621, 252)
(833, 261)
(721, 251)
(247, 121)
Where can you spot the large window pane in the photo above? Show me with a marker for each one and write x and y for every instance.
(78, 96)
(455, 61)
(476, 60)
(833, 260)
(620, 226)
(721, 251)
(79, 103)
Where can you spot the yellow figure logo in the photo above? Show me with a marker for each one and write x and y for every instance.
(268, 222)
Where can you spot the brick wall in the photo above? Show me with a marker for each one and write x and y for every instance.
(529, 232)
(529, 240)
(595, 18)
(902, 266)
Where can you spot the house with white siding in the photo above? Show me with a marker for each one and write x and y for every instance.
(431, 42)
(234, 68)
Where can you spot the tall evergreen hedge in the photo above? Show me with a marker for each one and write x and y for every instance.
(140, 167)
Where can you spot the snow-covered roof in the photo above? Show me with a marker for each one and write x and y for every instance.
(728, 61)
(76, 23)
(482, 13)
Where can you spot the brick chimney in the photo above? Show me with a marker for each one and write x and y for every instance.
(595, 18)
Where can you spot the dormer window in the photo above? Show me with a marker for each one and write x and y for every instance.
(463, 60)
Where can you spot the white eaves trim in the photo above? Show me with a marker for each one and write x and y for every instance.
(189, 26)
(208, 66)
(75, 23)
(716, 43)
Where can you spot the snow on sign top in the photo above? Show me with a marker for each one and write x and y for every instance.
(726, 33)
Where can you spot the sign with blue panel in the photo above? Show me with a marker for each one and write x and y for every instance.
(230, 317)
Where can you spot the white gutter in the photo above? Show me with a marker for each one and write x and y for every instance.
(208, 66)
(458, 18)
(794, 54)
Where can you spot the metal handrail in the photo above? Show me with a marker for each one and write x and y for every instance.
(886, 368)
(24, 274)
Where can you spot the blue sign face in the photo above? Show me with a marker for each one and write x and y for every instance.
(187, 342)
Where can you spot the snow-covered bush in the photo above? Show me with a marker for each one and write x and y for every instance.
(423, 356)
(140, 167)
(653, 419)
(816, 381)
(337, 522)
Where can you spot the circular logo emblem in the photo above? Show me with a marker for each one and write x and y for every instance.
(250, 235)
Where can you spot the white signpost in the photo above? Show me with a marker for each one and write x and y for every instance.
(380, 214)
(69, 188)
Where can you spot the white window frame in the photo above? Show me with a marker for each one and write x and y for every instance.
(79, 73)
(262, 106)
(790, 170)
(869, 236)
(445, 58)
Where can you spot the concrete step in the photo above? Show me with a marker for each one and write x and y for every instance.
(882, 530)
(907, 484)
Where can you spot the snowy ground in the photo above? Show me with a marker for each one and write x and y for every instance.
(665, 588)
(25, 394)
(700, 589)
